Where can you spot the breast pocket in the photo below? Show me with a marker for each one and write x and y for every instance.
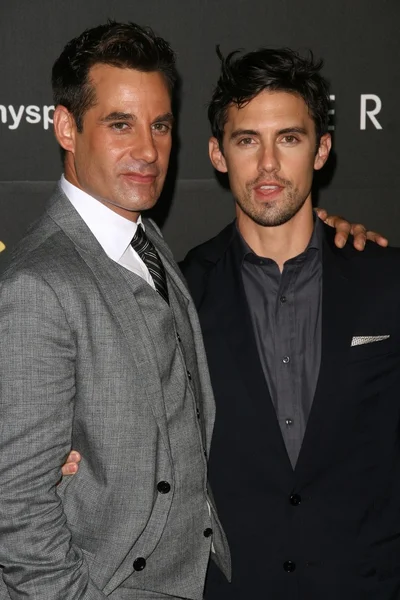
(374, 368)
(373, 350)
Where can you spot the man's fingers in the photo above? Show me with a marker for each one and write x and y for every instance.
(69, 469)
(73, 457)
(377, 238)
(71, 465)
(341, 225)
(344, 229)
(321, 212)
(360, 235)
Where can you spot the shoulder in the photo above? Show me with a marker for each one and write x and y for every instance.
(205, 255)
(373, 266)
(377, 267)
(45, 250)
(201, 260)
(371, 252)
(372, 256)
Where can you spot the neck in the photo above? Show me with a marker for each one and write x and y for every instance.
(282, 242)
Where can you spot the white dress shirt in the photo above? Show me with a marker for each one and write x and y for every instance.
(113, 232)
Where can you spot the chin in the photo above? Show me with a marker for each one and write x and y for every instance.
(144, 205)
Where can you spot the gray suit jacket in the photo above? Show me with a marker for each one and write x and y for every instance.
(77, 369)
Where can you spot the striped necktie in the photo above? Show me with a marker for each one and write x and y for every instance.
(151, 259)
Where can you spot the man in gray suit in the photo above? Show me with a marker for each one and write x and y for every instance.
(101, 350)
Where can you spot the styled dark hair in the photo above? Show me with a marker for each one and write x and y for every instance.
(243, 77)
(124, 45)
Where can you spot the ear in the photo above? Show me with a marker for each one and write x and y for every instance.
(216, 156)
(64, 128)
(323, 151)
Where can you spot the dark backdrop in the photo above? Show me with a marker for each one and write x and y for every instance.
(359, 40)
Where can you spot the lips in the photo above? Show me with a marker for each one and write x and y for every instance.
(268, 190)
(140, 178)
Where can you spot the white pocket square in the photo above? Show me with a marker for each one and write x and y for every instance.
(359, 340)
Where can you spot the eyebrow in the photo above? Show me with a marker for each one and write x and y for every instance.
(165, 117)
(118, 116)
(121, 116)
(300, 130)
(239, 132)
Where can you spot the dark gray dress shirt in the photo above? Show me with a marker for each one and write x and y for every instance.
(285, 310)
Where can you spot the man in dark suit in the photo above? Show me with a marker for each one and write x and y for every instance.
(303, 347)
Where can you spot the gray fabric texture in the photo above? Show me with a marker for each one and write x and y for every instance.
(82, 366)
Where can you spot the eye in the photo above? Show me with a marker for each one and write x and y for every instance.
(245, 141)
(290, 139)
(119, 126)
(161, 127)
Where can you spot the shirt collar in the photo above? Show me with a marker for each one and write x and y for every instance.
(113, 232)
(243, 250)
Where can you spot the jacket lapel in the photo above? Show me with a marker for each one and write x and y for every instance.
(118, 287)
(327, 415)
(227, 303)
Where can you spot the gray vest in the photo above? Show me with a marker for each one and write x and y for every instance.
(184, 549)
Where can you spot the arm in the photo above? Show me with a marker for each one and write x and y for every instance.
(344, 229)
(37, 392)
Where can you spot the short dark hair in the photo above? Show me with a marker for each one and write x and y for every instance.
(124, 45)
(243, 77)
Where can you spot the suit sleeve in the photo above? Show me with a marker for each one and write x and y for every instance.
(37, 392)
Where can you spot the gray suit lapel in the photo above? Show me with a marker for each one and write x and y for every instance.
(118, 286)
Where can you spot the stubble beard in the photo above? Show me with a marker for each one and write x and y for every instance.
(276, 212)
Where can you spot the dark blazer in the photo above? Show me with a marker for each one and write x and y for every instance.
(330, 528)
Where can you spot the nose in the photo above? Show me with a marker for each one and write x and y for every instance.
(269, 158)
(145, 148)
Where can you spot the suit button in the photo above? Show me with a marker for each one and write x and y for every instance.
(295, 499)
(207, 532)
(139, 564)
(163, 487)
(289, 566)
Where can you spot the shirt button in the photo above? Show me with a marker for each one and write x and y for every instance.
(207, 532)
(289, 566)
(295, 499)
(282, 299)
(189, 375)
(178, 337)
(285, 360)
(289, 422)
(198, 413)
